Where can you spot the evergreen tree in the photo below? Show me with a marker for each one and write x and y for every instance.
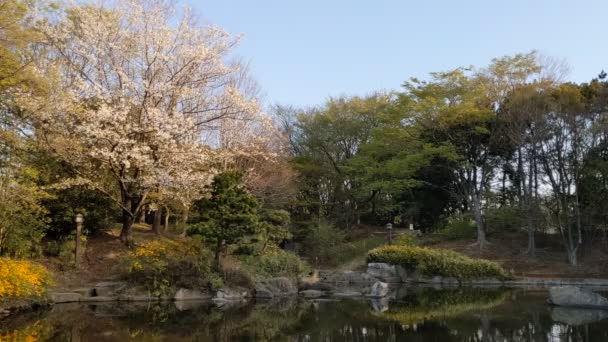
(228, 215)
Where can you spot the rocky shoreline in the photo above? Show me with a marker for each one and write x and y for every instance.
(376, 282)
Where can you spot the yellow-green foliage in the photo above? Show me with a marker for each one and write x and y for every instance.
(406, 239)
(431, 304)
(274, 262)
(22, 279)
(436, 262)
(162, 264)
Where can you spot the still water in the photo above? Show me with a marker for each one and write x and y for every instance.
(414, 314)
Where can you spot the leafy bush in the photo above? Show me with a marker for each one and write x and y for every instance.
(163, 264)
(22, 278)
(459, 227)
(22, 215)
(275, 262)
(406, 239)
(436, 262)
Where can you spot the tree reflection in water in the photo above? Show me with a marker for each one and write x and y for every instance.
(412, 315)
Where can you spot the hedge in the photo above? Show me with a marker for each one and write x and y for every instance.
(436, 262)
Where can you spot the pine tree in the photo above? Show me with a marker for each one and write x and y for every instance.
(228, 215)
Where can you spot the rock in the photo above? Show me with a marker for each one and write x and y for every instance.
(312, 293)
(348, 277)
(275, 287)
(227, 294)
(385, 272)
(379, 290)
(577, 316)
(402, 273)
(186, 294)
(576, 297)
(379, 304)
(348, 293)
(109, 288)
(65, 297)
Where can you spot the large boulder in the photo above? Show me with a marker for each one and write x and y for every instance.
(275, 287)
(379, 290)
(576, 297)
(347, 277)
(385, 272)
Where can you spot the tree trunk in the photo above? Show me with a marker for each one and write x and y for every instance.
(127, 222)
(218, 251)
(167, 214)
(131, 208)
(481, 232)
(572, 259)
(185, 223)
(530, 206)
(158, 214)
(142, 216)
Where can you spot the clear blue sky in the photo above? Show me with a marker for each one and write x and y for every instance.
(301, 52)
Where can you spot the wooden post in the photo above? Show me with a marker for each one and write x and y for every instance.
(79, 220)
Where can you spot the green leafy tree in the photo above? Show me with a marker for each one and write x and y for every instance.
(323, 142)
(229, 215)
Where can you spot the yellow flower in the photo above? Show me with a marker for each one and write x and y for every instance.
(20, 278)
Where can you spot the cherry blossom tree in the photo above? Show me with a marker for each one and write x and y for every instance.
(144, 86)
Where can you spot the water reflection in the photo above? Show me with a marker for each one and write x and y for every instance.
(410, 315)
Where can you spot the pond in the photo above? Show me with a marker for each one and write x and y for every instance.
(414, 314)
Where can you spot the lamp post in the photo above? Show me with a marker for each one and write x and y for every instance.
(79, 220)
(389, 228)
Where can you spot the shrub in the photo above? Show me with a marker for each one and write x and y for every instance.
(436, 262)
(20, 278)
(274, 262)
(163, 264)
(406, 239)
(459, 227)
